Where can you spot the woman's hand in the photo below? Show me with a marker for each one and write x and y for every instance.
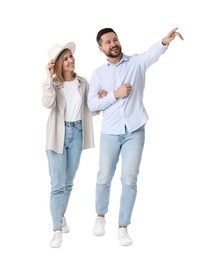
(102, 93)
(50, 68)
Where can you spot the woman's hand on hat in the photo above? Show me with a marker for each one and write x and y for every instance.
(50, 68)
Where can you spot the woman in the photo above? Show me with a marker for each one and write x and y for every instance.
(69, 130)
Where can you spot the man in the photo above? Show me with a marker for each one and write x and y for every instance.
(116, 88)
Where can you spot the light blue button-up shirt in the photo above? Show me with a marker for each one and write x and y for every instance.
(129, 111)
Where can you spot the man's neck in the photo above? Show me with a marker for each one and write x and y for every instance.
(115, 60)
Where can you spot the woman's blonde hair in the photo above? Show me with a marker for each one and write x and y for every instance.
(58, 68)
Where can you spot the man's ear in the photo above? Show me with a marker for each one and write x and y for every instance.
(100, 48)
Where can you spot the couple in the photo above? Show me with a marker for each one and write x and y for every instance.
(116, 88)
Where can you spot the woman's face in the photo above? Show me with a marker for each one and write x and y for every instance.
(68, 64)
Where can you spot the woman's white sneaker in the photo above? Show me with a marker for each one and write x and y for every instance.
(123, 236)
(99, 227)
(56, 240)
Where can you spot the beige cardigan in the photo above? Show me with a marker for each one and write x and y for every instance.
(54, 99)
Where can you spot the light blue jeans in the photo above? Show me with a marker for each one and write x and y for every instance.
(62, 170)
(130, 146)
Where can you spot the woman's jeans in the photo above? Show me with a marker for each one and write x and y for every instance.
(130, 146)
(62, 170)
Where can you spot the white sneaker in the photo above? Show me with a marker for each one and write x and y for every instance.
(99, 229)
(57, 239)
(123, 236)
(65, 228)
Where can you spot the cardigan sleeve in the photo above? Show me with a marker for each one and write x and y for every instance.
(49, 94)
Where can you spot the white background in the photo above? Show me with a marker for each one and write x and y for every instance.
(167, 221)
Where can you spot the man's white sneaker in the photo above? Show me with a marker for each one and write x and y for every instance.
(65, 228)
(123, 236)
(57, 239)
(99, 227)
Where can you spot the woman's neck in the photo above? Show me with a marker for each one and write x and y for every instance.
(69, 76)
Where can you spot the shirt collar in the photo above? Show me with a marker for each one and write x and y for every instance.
(124, 59)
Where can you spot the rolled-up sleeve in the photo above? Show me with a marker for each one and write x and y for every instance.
(49, 94)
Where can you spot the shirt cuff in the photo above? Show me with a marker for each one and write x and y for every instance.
(111, 97)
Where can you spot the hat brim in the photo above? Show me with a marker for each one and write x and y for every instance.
(70, 46)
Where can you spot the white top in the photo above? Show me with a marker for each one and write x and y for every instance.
(73, 101)
(53, 99)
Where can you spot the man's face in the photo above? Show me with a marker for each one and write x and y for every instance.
(110, 45)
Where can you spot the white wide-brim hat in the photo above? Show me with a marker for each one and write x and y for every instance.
(56, 49)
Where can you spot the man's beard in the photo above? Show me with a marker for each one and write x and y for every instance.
(109, 55)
